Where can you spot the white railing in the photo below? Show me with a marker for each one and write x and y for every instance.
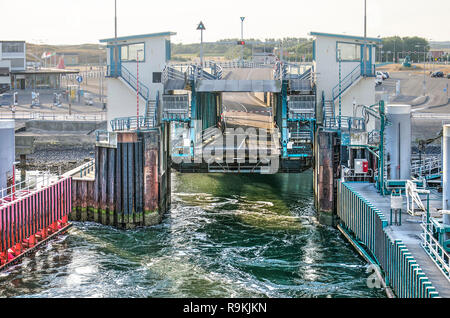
(15, 192)
(54, 116)
(413, 198)
(243, 64)
(436, 252)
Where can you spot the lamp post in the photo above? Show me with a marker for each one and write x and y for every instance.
(242, 38)
(365, 38)
(424, 80)
(395, 41)
(116, 49)
(201, 27)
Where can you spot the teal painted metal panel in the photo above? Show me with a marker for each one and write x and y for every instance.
(168, 50)
(368, 225)
(314, 50)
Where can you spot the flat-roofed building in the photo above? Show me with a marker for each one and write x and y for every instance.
(153, 52)
(5, 75)
(343, 73)
(15, 52)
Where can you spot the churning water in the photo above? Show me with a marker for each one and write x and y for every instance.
(225, 236)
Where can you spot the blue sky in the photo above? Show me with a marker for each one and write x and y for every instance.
(87, 21)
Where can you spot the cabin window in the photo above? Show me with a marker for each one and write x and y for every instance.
(129, 52)
(349, 52)
(157, 76)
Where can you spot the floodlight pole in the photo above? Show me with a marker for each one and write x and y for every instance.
(201, 27)
(365, 38)
(242, 38)
(116, 49)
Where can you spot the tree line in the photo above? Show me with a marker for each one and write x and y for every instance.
(300, 49)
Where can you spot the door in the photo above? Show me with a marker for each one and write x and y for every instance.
(112, 68)
(366, 64)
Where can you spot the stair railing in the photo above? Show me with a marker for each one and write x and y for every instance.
(347, 81)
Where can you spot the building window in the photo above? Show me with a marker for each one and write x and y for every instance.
(349, 52)
(12, 47)
(129, 52)
(17, 63)
(4, 71)
(157, 77)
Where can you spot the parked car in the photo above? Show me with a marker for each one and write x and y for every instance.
(437, 74)
(88, 99)
(383, 76)
(448, 75)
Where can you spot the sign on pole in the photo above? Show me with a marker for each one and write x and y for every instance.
(201, 26)
(79, 79)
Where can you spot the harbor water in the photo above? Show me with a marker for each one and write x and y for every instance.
(225, 236)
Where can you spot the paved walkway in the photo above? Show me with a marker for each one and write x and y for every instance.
(409, 233)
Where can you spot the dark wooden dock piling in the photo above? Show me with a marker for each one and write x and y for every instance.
(131, 184)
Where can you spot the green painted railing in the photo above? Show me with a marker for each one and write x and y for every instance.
(367, 224)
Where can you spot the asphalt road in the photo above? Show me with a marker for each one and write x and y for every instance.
(411, 91)
(244, 110)
(430, 113)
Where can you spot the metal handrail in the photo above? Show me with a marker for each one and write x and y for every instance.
(347, 81)
(436, 252)
(131, 123)
(426, 166)
(53, 116)
(144, 91)
(171, 73)
(21, 189)
(347, 122)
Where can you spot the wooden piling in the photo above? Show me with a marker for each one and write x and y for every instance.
(103, 167)
(324, 176)
(132, 183)
(118, 185)
(110, 185)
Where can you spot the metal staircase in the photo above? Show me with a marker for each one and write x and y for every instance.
(151, 110)
(328, 109)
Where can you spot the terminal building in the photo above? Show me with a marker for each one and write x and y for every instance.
(153, 52)
(343, 78)
(14, 73)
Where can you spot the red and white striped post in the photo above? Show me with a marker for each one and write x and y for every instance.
(137, 89)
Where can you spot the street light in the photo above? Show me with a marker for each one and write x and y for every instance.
(201, 27)
(242, 37)
(365, 38)
(116, 49)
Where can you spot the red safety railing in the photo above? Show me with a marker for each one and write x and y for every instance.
(32, 217)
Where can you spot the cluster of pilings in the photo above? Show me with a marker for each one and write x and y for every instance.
(129, 186)
(326, 171)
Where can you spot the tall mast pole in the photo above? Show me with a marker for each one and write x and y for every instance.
(365, 38)
(116, 51)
